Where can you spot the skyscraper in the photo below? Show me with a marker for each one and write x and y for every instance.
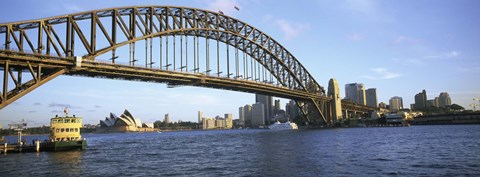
(241, 115)
(444, 100)
(371, 97)
(267, 106)
(247, 112)
(421, 100)
(292, 110)
(258, 115)
(396, 103)
(277, 105)
(355, 92)
(200, 116)
(167, 119)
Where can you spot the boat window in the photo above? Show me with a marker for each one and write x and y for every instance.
(54, 121)
(71, 130)
(73, 121)
(76, 129)
(60, 120)
(58, 130)
(67, 129)
(67, 120)
(62, 130)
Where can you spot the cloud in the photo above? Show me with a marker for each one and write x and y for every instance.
(406, 40)
(290, 30)
(61, 105)
(425, 60)
(91, 110)
(73, 7)
(355, 37)
(470, 69)
(97, 106)
(32, 111)
(37, 104)
(362, 6)
(382, 74)
(369, 10)
(226, 6)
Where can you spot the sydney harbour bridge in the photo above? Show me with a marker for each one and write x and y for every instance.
(164, 44)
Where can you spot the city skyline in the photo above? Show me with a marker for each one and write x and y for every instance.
(377, 43)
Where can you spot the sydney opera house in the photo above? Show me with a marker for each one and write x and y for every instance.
(125, 123)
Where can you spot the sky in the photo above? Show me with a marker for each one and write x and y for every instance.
(397, 47)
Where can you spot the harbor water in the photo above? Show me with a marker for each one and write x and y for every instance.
(438, 150)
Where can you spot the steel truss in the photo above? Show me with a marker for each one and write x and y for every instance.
(46, 48)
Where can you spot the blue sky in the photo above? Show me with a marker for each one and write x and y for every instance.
(398, 47)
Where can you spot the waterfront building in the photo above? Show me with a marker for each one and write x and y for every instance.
(371, 97)
(292, 110)
(166, 120)
(437, 103)
(248, 115)
(219, 122)
(208, 123)
(267, 106)
(382, 105)
(444, 100)
(355, 92)
(258, 115)
(431, 103)
(396, 103)
(125, 123)
(420, 100)
(241, 116)
(228, 121)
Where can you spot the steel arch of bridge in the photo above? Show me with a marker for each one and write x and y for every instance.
(46, 54)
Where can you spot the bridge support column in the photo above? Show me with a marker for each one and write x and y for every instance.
(336, 103)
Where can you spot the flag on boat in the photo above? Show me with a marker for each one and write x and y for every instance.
(236, 8)
(220, 12)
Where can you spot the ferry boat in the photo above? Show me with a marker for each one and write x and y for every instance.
(65, 134)
(283, 126)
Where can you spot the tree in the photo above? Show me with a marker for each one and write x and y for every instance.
(456, 107)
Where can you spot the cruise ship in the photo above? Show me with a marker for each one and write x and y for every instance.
(283, 126)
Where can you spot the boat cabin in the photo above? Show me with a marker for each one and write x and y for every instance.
(65, 128)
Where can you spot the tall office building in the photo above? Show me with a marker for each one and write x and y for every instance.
(334, 93)
(382, 105)
(241, 116)
(258, 115)
(355, 92)
(247, 112)
(421, 100)
(167, 118)
(444, 100)
(228, 121)
(267, 106)
(200, 116)
(371, 97)
(396, 103)
(277, 105)
(292, 110)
